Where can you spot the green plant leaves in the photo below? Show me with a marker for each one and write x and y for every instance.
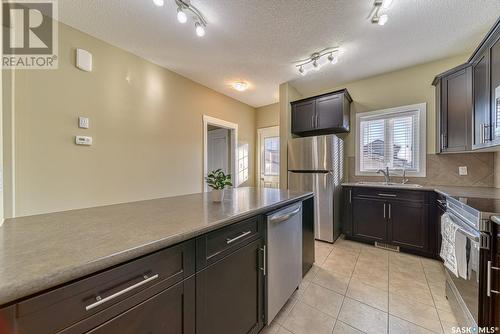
(218, 180)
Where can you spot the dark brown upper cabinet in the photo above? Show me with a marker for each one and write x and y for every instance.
(482, 116)
(471, 90)
(323, 114)
(454, 110)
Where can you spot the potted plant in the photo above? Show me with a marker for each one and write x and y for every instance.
(218, 180)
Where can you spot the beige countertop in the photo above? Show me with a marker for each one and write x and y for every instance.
(43, 251)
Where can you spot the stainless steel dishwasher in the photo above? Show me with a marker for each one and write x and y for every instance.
(284, 257)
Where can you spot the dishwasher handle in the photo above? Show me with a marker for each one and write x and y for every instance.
(278, 218)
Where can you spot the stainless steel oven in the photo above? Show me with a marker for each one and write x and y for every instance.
(464, 293)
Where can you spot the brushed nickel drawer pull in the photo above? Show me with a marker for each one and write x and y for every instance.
(230, 241)
(101, 301)
(387, 195)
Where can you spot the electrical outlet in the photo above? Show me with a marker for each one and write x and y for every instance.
(462, 170)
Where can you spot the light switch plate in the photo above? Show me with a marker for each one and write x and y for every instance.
(462, 170)
(83, 122)
(83, 140)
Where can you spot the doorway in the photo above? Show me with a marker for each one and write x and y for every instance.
(268, 159)
(220, 140)
(218, 149)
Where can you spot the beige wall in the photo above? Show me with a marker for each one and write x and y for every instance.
(403, 87)
(267, 116)
(146, 123)
(288, 93)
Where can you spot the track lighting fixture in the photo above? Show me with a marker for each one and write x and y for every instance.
(181, 16)
(315, 61)
(375, 15)
(200, 30)
(184, 7)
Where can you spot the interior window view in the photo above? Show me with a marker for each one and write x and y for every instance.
(250, 166)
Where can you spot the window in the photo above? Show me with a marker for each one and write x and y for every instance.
(393, 138)
(270, 163)
(243, 163)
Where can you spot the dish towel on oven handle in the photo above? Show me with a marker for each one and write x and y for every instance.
(448, 233)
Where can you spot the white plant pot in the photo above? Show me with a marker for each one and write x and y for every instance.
(217, 195)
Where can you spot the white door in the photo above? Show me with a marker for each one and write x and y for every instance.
(218, 150)
(268, 167)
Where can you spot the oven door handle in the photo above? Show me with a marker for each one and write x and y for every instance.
(469, 235)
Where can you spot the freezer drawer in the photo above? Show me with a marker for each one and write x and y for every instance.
(326, 204)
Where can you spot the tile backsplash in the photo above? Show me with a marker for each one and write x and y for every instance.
(442, 170)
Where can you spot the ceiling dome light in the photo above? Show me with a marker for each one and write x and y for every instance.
(302, 71)
(159, 3)
(240, 86)
(200, 30)
(181, 16)
(386, 4)
(383, 19)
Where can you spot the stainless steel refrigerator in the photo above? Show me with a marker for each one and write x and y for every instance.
(317, 164)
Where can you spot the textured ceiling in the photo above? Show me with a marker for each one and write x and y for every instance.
(258, 40)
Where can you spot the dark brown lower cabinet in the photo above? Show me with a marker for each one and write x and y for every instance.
(369, 219)
(408, 226)
(169, 312)
(229, 293)
(398, 217)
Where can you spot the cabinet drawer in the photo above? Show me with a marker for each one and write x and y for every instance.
(390, 194)
(60, 308)
(217, 244)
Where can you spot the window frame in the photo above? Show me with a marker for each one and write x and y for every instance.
(421, 109)
(263, 161)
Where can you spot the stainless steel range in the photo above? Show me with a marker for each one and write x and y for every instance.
(471, 218)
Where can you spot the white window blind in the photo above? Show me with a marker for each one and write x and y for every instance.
(393, 138)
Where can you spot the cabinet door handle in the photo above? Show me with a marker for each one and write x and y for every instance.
(350, 196)
(317, 121)
(101, 301)
(489, 291)
(384, 210)
(264, 261)
(390, 209)
(242, 235)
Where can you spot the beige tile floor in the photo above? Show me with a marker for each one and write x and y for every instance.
(357, 288)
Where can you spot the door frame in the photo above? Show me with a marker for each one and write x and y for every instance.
(233, 127)
(259, 153)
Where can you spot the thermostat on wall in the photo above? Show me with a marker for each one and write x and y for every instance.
(83, 140)
(84, 60)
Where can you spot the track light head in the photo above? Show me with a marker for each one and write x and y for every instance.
(302, 71)
(181, 16)
(200, 29)
(383, 19)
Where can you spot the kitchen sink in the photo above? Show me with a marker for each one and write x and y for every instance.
(390, 184)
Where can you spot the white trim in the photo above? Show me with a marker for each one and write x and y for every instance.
(422, 109)
(208, 120)
(259, 151)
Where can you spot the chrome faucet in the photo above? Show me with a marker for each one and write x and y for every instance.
(387, 176)
(404, 180)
